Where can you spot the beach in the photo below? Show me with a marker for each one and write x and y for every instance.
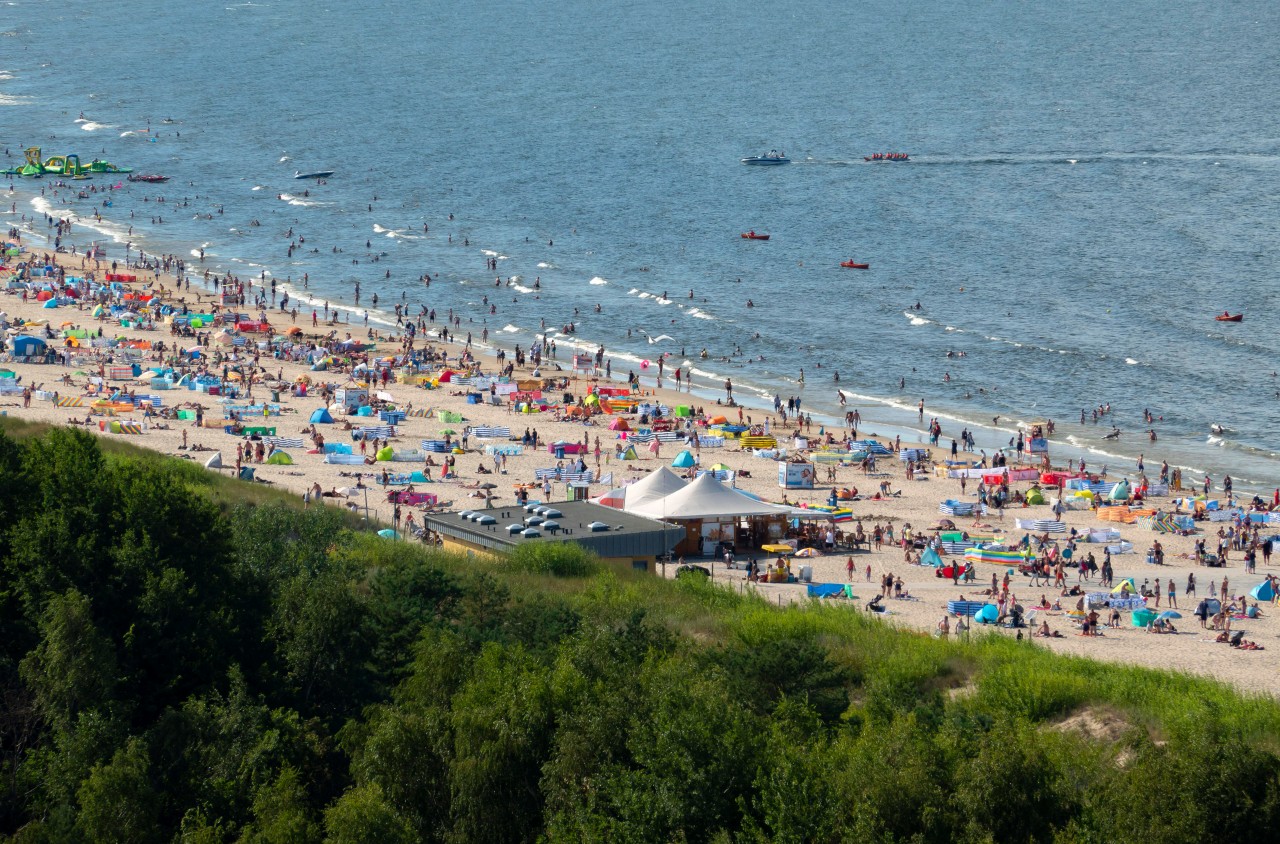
(912, 502)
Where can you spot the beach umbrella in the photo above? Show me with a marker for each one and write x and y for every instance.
(488, 486)
(720, 467)
(1167, 614)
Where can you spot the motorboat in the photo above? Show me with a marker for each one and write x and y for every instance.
(771, 157)
(148, 177)
(854, 265)
(751, 235)
(1227, 316)
(319, 174)
(886, 156)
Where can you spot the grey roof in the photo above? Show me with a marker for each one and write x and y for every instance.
(627, 534)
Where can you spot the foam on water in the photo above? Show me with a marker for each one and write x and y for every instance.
(597, 281)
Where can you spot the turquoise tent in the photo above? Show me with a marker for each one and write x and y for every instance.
(930, 558)
(684, 460)
(320, 416)
(1263, 591)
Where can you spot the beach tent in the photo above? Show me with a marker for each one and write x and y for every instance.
(321, 416)
(707, 498)
(629, 454)
(619, 424)
(215, 461)
(1263, 591)
(386, 453)
(1035, 496)
(1133, 587)
(684, 460)
(26, 346)
(651, 487)
(930, 558)
(614, 498)
(280, 458)
(1120, 492)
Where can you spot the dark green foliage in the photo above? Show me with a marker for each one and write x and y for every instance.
(175, 666)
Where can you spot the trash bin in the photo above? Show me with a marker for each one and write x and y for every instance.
(275, 396)
(559, 452)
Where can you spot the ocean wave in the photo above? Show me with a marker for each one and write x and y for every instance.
(493, 254)
(596, 281)
(284, 158)
(90, 126)
(547, 265)
(511, 329)
(660, 338)
(296, 200)
(698, 314)
(14, 100)
(521, 288)
(1131, 361)
(257, 187)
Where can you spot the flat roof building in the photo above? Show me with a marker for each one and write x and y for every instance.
(613, 535)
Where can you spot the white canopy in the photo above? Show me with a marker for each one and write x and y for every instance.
(652, 487)
(706, 498)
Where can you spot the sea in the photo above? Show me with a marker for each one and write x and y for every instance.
(1088, 185)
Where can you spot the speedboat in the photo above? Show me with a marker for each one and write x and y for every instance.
(854, 265)
(1227, 316)
(771, 157)
(319, 174)
(751, 235)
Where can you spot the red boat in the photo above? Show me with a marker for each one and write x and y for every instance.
(751, 235)
(854, 265)
(1227, 316)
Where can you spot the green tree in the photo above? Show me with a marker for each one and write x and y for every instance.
(73, 667)
(361, 816)
(118, 802)
(281, 813)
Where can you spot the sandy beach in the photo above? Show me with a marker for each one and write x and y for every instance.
(912, 502)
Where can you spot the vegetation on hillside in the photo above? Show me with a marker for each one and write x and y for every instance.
(175, 666)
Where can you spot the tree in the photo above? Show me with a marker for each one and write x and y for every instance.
(73, 668)
(361, 816)
(118, 802)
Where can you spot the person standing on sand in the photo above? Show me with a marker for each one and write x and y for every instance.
(728, 389)
(1173, 594)
(849, 568)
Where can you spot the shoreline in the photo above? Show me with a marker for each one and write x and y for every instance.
(917, 504)
(883, 415)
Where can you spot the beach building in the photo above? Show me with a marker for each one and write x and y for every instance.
(614, 535)
(715, 516)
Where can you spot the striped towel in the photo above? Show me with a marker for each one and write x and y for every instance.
(670, 436)
(374, 432)
(283, 442)
(70, 401)
(344, 459)
(491, 433)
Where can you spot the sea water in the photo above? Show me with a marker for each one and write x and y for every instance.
(1089, 184)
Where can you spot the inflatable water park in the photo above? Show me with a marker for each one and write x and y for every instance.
(61, 165)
